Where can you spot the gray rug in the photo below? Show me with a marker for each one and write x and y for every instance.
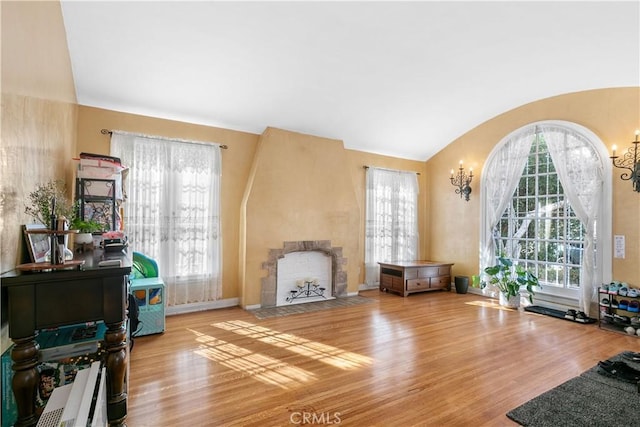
(588, 400)
(265, 313)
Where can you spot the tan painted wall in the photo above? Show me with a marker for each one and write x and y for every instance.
(38, 117)
(612, 114)
(38, 113)
(300, 189)
(37, 140)
(35, 57)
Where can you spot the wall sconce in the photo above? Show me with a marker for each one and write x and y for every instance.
(631, 162)
(462, 181)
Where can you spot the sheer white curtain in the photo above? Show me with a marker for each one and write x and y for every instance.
(580, 171)
(500, 177)
(391, 219)
(172, 211)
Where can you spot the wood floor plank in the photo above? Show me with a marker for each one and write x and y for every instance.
(431, 359)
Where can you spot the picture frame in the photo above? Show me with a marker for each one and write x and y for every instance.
(37, 244)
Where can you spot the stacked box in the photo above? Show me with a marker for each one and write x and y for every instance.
(149, 294)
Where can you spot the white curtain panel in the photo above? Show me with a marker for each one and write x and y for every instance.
(391, 219)
(500, 178)
(580, 171)
(172, 211)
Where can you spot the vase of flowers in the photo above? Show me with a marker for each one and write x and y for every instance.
(49, 201)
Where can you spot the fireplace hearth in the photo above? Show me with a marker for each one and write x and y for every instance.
(332, 286)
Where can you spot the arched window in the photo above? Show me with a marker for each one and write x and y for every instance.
(546, 202)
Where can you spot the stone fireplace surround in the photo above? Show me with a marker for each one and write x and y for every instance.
(338, 273)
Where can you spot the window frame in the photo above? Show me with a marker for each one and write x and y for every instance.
(603, 252)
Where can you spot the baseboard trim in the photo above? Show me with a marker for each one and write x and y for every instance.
(202, 306)
(365, 287)
(555, 302)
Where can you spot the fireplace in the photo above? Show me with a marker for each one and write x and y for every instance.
(306, 283)
(303, 277)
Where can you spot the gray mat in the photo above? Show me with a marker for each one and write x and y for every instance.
(588, 400)
(265, 313)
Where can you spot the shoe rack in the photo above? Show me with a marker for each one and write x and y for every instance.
(619, 309)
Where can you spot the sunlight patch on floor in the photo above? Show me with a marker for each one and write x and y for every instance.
(489, 303)
(324, 353)
(259, 366)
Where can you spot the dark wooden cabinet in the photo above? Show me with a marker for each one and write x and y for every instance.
(414, 276)
(58, 298)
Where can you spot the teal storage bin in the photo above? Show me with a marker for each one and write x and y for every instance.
(149, 294)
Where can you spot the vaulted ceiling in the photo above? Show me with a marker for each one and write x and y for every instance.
(395, 78)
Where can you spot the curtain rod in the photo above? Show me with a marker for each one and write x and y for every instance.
(110, 132)
(387, 169)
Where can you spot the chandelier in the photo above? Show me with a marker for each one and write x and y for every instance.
(462, 181)
(631, 162)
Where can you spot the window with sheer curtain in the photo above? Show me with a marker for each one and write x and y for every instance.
(391, 219)
(172, 211)
(544, 206)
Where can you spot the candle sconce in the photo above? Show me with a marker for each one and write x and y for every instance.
(462, 181)
(630, 161)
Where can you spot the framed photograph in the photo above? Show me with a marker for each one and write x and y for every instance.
(38, 244)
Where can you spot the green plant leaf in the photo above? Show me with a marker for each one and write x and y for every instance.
(492, 270)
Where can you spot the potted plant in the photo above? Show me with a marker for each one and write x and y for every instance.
(85, 228)
(509, 278)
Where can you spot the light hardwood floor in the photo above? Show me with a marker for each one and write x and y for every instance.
(431, 359)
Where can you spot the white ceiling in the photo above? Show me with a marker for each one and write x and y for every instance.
(395, 78)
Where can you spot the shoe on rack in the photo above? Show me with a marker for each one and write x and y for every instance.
(613, 288)
(614, 303)
(621, 320)
(633, 293)
(634, 307)
(620, 371)
(623, 304)
(608, 318)
(623, 291)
